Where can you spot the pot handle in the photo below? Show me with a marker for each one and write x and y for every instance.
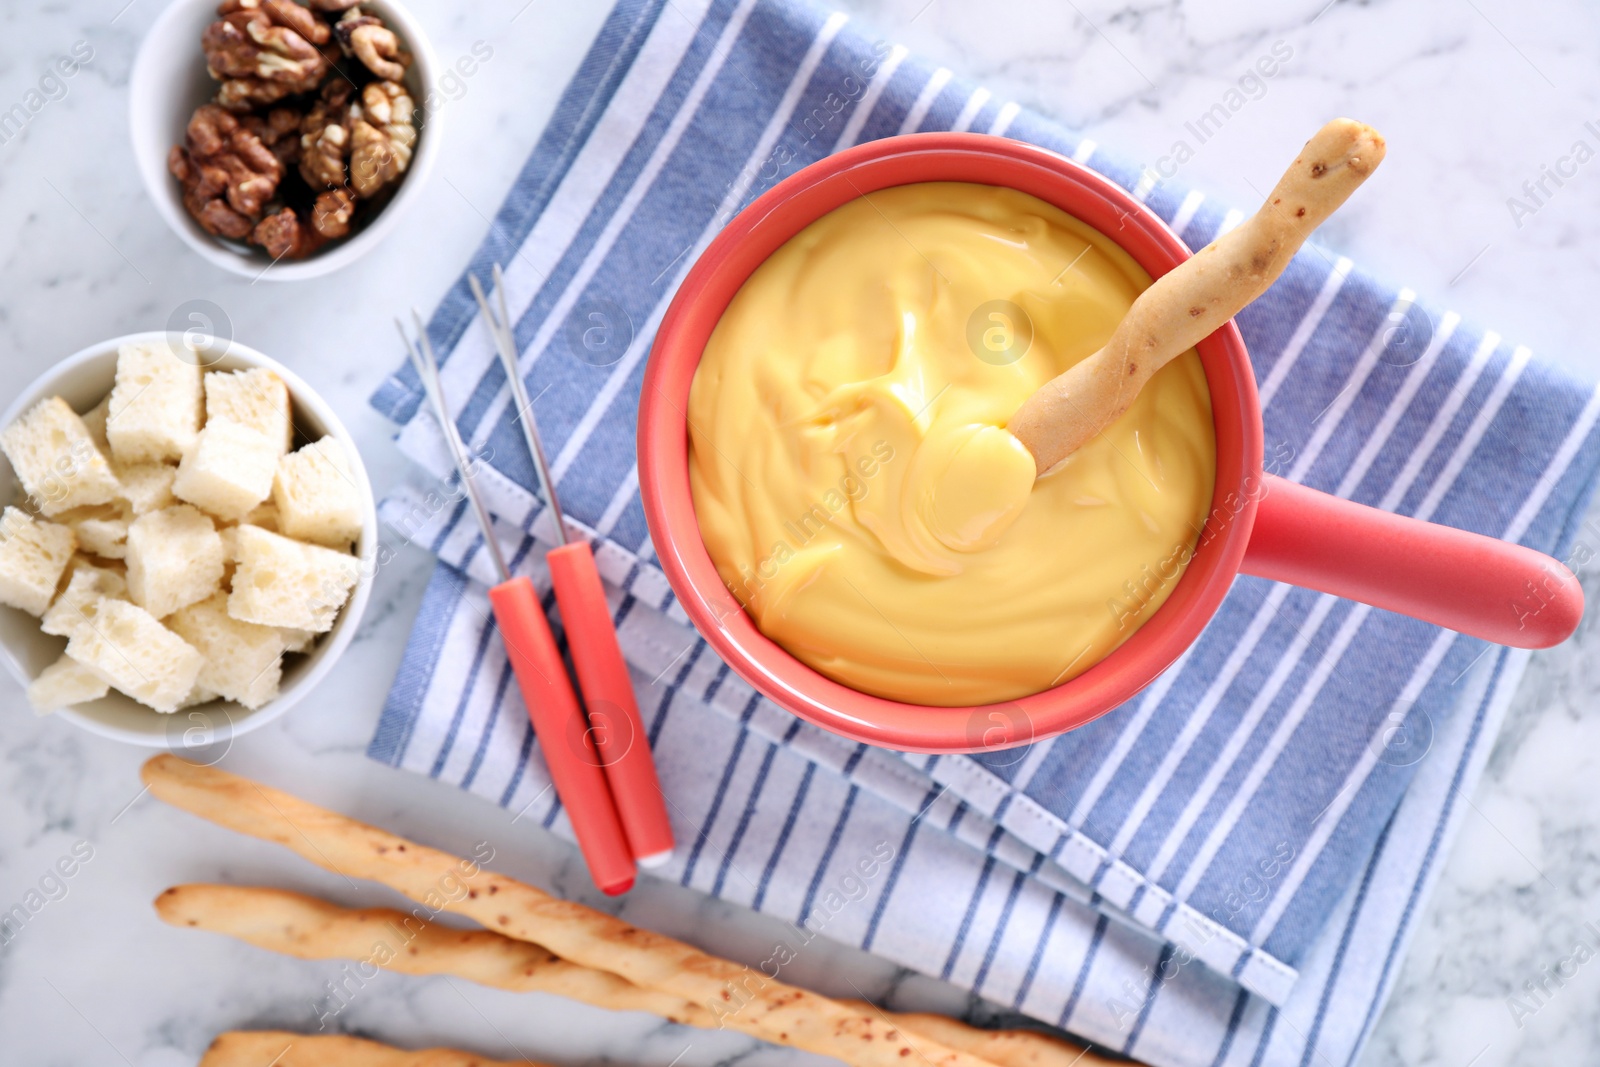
(1476, 585)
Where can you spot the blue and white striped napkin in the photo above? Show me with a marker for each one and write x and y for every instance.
(1223, 871)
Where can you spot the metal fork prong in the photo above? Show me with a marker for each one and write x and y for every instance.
(506, 347)
(427, 366)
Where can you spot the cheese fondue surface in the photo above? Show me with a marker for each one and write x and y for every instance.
(852, 477)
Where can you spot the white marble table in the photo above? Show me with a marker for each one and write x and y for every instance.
(1475, 95)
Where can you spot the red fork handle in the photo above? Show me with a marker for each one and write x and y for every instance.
(563, 734)
(1462, 581)
(615, 724)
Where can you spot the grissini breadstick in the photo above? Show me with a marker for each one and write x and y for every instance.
(1005, 1048)
(308, 928)
(1192, 300)
(738, 997)
(297, 925)
(280, 1048)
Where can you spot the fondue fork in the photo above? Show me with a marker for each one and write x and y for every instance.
(616, 725)
(558, 720)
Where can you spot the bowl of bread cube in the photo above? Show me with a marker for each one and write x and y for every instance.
(185, 532)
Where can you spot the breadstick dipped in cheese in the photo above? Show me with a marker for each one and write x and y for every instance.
(1192, 300)
(739, 997)
(308, 928)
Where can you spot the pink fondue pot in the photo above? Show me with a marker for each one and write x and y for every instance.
(1259, 524)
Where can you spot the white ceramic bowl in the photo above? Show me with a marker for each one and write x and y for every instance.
(82, 380)
(169, 81)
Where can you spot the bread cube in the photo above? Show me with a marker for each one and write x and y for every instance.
(156, 406)
(86, 587)
(316, 496)
(228, 470)
(243, 661)
(102, 531)
(197, 696)
(255, 398)
(94, 420)
(64, 683)
(289, 584)
(302, 641)
(127, 647)
(56, 460)
(146, 487)
(174, 559)
(33, 556)
(264, 516)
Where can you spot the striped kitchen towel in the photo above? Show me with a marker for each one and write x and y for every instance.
(1223, 871)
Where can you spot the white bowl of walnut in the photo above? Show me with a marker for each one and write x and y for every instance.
(80, 625)
(283, 139)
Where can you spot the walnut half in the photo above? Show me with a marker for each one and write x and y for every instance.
(226, 172)
(325, 137)
(258, 58)
(331, 214)
(284, 13)
(284, 236)
(383, 133)
(375, 44)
